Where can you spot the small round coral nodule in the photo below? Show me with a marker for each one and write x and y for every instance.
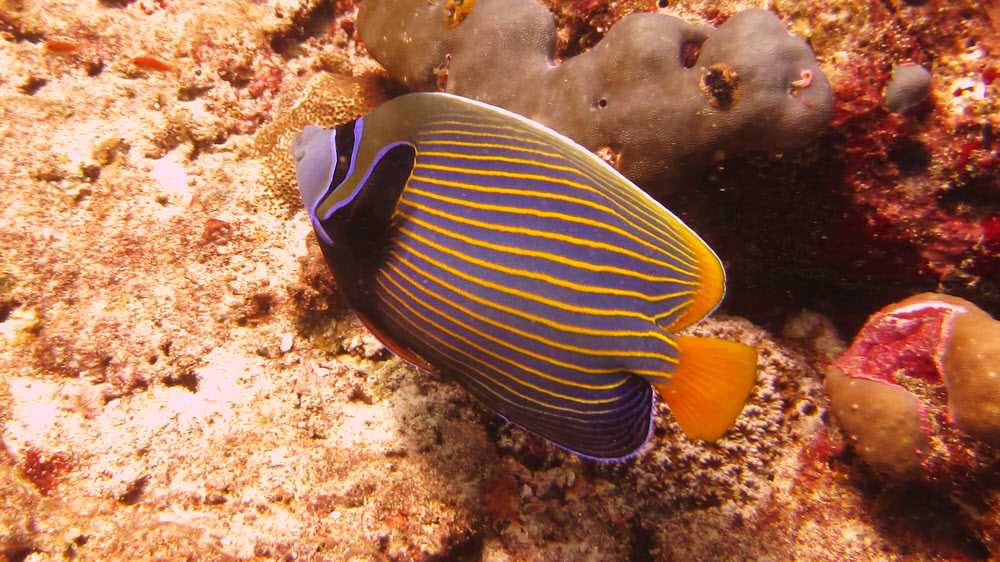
(908, 86)
(918, 391)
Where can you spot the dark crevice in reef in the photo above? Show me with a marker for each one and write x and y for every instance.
(790, 249)
(468, 550)
(314, 21)
(187, 380)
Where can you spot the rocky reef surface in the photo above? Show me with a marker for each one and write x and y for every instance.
(179, 379)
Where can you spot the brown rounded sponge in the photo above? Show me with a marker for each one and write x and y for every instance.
(658, 97)
(971, 368)
(882, 420)
(908, 85)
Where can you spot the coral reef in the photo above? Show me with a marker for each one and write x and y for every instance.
(918, 388)
(329, 100)
(179, 380)
(884, 205)
(658, 97)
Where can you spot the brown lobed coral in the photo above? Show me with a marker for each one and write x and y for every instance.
(918, 391)
(658, 97)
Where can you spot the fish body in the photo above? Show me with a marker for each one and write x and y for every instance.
(153, 63)
(61, 47)
(487, 248)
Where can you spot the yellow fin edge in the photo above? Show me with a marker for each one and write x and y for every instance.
(710, 386)
(711, 285)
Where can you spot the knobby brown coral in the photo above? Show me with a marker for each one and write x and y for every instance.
(658, 97)
(918, 389)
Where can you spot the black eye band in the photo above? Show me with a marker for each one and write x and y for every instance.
(344, 152)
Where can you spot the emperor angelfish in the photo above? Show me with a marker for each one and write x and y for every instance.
(482, 246)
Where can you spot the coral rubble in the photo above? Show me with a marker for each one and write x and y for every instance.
(658, 97)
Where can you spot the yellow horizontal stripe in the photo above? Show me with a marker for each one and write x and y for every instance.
(486, 351)
(514, 272)
(665, 237)
(546, 408)
(498, 158)
(572, 169)
(587, 162)
(529, 335)
(656, 334)
(631, 197)
(691, 279)
(675, 310)
(513, 147)
(484, 121)
(543, 300)
(570, 218)
(532, 274)
(528, 352)
(468, 133)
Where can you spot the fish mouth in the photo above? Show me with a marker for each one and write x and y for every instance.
(313, 153)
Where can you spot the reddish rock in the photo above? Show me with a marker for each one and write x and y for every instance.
(918, 392)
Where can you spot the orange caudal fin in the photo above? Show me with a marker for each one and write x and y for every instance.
(710, 386)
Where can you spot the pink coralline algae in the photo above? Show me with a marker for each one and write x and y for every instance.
(918, 391)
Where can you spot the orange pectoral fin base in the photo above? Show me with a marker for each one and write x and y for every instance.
(710, 386)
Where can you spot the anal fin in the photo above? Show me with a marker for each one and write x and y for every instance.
(711, 384)
(403, 352)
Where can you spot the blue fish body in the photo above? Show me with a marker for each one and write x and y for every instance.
(487, 248)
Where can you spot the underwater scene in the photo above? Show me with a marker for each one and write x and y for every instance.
(499, 280)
